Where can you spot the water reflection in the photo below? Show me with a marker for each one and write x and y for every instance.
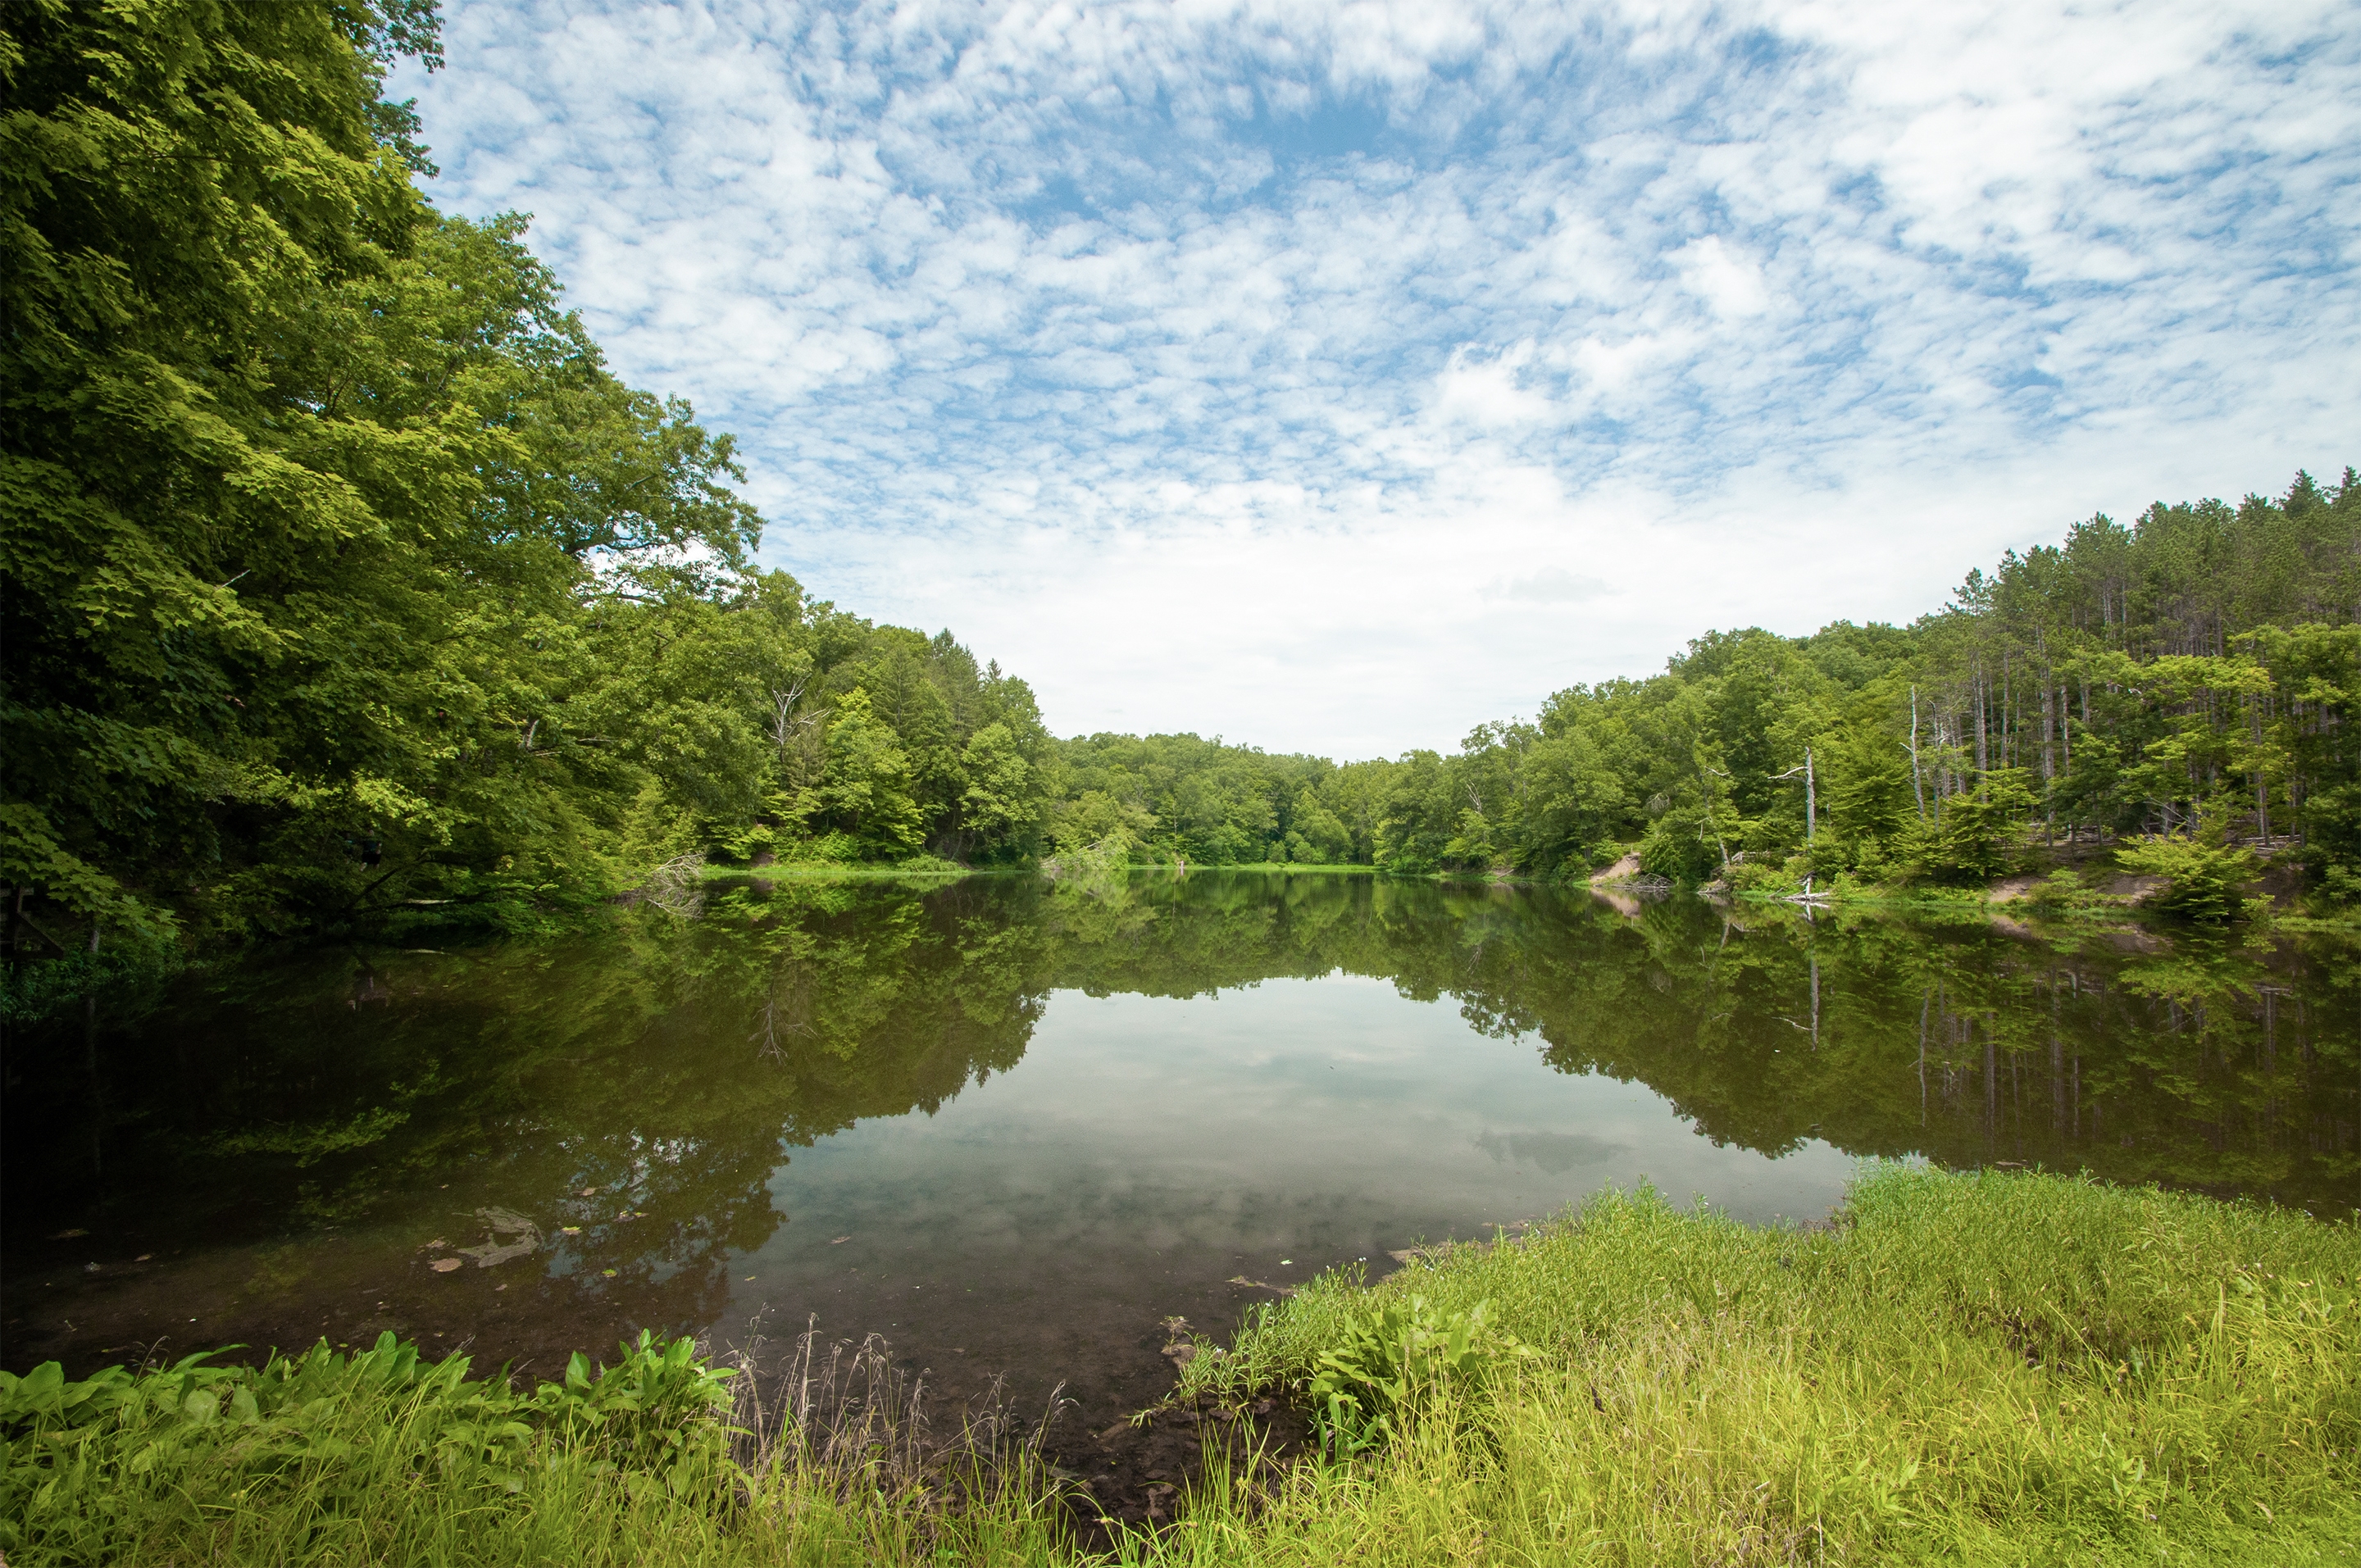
(808, 1100)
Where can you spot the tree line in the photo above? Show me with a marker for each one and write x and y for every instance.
(342, 575)
(2190, 676)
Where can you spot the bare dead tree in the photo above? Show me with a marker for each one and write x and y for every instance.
(1918, 785)
(1811, 804)
(786, 724)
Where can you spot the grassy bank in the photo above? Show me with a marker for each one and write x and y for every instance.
(1995, 1368)
(1998, 1368)
(382, 1457)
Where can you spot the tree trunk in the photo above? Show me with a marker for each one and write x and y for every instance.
(2048, 764)
(2065, 735)
(1983, 754)
(1811, 809)
(1918, 785)
(2007, 710)
(2262, 779)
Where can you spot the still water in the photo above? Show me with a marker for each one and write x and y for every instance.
(1016, 1126)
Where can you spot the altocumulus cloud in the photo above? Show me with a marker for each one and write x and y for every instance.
(1337, 375)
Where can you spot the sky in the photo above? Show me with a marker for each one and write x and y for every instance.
(1336, 378)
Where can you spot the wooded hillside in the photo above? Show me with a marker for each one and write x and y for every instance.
(2192, 673)
(340, 570)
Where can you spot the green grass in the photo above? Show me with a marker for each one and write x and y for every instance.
(382, 1457)
(1995, 1368)
(1989, 1368)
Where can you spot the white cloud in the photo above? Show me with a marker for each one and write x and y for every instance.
(1337, 375)
(1486, 390)
(1730, 284)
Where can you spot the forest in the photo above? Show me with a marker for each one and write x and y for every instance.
(2190, 676)
(342, 576)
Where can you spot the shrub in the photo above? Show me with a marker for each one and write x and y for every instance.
(1680, 847)
(1768, 876)
(1980, 835)
(2201, 877)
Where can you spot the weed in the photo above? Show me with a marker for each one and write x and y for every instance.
(1398, 1359)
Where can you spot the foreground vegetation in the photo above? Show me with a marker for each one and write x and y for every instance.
(1963, 1368)
(383, 1457)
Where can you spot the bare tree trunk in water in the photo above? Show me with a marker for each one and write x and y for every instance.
(1992, 1083)
(2057, 1066)
(97, 1084)
(1925, 1001)
(1816, 1004)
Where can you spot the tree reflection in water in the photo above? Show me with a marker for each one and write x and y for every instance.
(302, 1131)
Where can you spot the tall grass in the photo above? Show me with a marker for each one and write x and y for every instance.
(1997, 1368)
(2004, 1368)
(382, 1458)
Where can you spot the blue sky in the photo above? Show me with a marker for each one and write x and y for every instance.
(1337, 377)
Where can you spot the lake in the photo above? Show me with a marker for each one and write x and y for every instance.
(1013, 1126)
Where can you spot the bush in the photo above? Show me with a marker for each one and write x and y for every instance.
(2203, 879)
(138, 964)
(832, 850)
(1680, 847)
(1980, 835)
(1751, 875)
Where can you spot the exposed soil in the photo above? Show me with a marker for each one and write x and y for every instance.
(2132, 889)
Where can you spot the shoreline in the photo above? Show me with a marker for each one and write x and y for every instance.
(1631, 1380)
